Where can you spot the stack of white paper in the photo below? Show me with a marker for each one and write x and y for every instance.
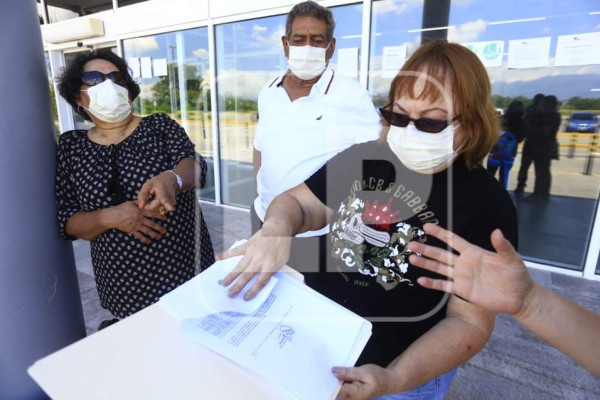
(289, 333)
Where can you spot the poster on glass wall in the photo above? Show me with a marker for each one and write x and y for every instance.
(490, 53)
(528, 53)
(581, 49)
(134, 66)
(393, 60)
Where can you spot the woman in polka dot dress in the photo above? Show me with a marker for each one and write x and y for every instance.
(127, 185)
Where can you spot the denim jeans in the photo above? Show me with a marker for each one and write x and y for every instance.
(435, 389)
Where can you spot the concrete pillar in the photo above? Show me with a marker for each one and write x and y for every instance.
(40, 306)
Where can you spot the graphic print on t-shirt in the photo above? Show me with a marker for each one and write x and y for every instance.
(369, 236)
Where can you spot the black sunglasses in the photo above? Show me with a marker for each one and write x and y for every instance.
(429, 125)
(93, 78)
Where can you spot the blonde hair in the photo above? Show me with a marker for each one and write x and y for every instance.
(459, 67)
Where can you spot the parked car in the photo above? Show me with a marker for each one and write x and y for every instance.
(582, 122)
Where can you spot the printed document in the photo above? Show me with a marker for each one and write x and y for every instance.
(290, 334)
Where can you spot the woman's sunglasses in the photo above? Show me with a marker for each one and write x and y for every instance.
(429, 125)
(92, 78)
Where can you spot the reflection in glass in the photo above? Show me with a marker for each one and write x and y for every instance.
(52, 95)
(172, 70)
(395, 24)
(556, 232)
(250, 54)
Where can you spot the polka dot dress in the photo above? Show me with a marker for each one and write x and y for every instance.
(131, 275)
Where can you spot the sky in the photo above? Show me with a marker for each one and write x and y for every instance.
(249, 53)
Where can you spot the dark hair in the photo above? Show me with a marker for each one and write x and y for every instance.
(514, 115)
(538, 98)
(549, 104)
(69, 83)
(310, 9)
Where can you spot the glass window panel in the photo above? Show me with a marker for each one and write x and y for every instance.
(78, 121)
(394, 23)
(172, 70)
(52, 95)
(250, 53)
(556, 232)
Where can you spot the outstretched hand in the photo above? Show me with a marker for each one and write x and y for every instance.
(263, 255)
(498, 281)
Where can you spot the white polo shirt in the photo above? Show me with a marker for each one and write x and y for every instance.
(297, 138)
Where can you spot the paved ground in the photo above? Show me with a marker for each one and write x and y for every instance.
(513, 365)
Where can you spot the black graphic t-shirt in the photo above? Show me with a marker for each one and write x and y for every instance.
(379, 207)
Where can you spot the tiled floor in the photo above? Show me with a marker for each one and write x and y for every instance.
(513, 365)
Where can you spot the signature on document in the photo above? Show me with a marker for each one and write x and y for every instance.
(286, 333)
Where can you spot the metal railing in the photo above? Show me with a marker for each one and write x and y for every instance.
(587, 142)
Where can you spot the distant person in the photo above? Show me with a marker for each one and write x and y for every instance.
(499, 282)
(542, 125)
(527, 150)
(127, 185)
(309, 113)
(513, 131)
(375, 197)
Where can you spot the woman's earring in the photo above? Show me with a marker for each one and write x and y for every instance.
(80, 109)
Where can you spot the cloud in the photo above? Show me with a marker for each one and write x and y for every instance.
(467, 32)
(461, 2)
(143, 44)
(269, 41)
(398, 8)
(244, 84)
(200, 53)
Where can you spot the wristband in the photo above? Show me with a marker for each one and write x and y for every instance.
(178, 178)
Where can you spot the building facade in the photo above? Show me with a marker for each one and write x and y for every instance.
(204, 61)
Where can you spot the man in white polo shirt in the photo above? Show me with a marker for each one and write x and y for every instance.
(308, 114)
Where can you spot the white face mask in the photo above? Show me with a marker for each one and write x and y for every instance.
(109, 101)
(421, 151)
(307, 62)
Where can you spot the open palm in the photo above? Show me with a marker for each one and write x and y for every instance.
(498, 281)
